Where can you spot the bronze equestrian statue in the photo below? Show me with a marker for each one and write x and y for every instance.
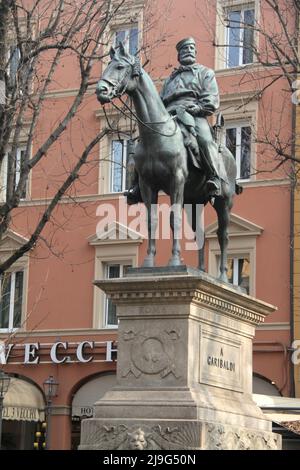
(177, 151)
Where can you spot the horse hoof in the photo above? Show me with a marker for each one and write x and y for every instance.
(148, 262)
(175, 261)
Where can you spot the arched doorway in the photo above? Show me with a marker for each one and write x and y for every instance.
(23, 410)
(84, 400)
(264, 386)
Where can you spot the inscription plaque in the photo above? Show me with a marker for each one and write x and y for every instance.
(220, 361)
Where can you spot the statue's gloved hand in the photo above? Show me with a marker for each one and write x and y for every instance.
(194, 109)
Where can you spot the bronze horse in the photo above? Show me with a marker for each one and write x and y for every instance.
(161, 159)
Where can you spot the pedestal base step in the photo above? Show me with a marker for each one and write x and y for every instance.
(99, 434)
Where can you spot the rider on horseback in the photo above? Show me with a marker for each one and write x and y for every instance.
(191, 94)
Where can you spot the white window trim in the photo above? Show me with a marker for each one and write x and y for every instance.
(240, 248)
(105, 309)
(236, 113)
(125, 138)
(104, 180)
(121, 250)
(11, 328)
(126, 28)
(10, 242)
(4, 175)
(238, 126)
(126, 18)
(235, 258)
(241, 45)
(221, 55)
(242, 243)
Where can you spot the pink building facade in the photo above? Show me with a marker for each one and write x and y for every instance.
(63, 326)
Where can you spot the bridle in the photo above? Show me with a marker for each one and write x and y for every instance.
(135, 71)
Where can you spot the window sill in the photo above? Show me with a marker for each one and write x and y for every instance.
(4, 331)
(227, 71)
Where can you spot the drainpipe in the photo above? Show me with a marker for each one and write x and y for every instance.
(292, 221)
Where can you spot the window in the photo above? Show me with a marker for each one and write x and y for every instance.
(129, 37)
(11, 300)
(241, 265)
(238, 141)
(118, 175)
(14, 62)
(240, 37)
(113, 271)
(19, 161)
(238, 272)
(116, 248)
(20, 155)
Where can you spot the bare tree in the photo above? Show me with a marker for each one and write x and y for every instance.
(36, 37)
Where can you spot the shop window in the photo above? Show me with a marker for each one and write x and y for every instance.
(118, 168)
(129, 37)
(238, 141)
(113, 271)
(11, 300)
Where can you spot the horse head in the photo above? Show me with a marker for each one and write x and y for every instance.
(119, 76)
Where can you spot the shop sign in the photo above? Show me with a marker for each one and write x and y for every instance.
(20, 413)
(61, 352)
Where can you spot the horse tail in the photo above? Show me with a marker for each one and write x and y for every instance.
(238, 189)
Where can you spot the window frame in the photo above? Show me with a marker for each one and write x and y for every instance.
(106, 298)
(127, 28)
(239, 125)
(113, 164)
(4, 174)
(222, 9)
(241, 46)
(243, 236)
(123, 248)
(241, 109)
(236, 258)
(11, 327)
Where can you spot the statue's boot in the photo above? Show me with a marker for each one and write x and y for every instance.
(133, 195)
(214, 186)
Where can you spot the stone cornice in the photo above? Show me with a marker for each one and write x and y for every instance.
(201, 290)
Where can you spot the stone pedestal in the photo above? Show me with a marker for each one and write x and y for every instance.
(184, 371)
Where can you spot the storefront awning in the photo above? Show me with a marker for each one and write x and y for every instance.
(284, 411)
(23, 402)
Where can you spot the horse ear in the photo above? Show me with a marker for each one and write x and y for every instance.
(112, 52)
(122, 48)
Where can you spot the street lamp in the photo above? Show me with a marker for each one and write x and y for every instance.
(50, 389)
(4, 384)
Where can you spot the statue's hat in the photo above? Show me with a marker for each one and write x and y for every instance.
(184, 42)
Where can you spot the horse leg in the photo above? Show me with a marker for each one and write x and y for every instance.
(201, 258)
(150, 199)
(223, 207)
(176, 222)
(195, 222)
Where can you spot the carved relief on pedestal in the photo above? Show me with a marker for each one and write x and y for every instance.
(151, 353)
(219, 437)
(142, 437)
